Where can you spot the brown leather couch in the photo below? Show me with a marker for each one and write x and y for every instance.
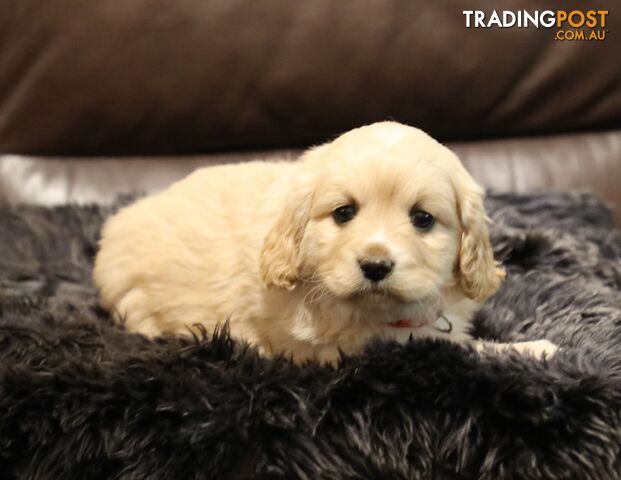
(189, 82)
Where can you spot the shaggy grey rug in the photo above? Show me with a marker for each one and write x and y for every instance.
(82, 399)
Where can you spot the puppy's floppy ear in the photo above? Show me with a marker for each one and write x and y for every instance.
(479, 275)
(280, 262)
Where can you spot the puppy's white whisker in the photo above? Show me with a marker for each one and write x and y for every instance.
(310, 295)
(316, 293)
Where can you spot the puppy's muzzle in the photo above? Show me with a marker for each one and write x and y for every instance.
(376, 270)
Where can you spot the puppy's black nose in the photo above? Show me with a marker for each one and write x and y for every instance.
(376, 270)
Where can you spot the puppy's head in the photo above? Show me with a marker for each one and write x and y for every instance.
(383, 213)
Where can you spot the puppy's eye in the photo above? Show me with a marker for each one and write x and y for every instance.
(344, 214)
(422, 220)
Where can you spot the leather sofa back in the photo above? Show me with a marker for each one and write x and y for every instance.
(156, 77)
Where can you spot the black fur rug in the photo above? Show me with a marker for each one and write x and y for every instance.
(82, 399)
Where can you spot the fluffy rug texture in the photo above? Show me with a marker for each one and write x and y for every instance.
(82, 399)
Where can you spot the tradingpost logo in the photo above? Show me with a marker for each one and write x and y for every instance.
(568, 25)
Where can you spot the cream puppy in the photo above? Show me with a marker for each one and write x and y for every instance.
(380, 233)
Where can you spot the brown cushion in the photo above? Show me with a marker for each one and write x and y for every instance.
(589, 162)
(583, 162)
(159, 76)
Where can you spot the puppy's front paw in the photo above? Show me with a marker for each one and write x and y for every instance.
(538, 348)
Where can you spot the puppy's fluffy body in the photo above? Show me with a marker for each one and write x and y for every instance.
(257, 244)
